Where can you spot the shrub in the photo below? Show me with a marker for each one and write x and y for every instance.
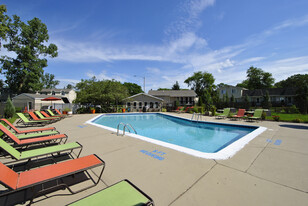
(18, 109)
(213, 110)
(164, 110)
(263, 116)
(294, 110)
(276, 118)
(297, 120)
(9, 109)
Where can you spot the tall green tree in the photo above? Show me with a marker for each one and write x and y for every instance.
(104, 93)
(9, 109)
(176, 86)
(3, 23)
(296, 80)
(29, 42)
(300, 82)
(133, 88)
(257, 79)
(48, 81)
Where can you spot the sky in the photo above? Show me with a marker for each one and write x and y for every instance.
(168, 40)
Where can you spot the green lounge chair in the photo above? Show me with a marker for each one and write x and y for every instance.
(15, 182)
(6, 131)
(123, 193)
(17, 131)
(49, 150)
(181, 110)
(25, 121)
(42, 117)
(54, 115)
(257, 115)
(225, 114)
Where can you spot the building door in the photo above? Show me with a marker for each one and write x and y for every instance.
(30, 105)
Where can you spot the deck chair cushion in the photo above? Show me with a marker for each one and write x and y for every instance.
(119, 194)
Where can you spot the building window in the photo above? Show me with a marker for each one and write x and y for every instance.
(53, 93)
(156, 104)
(151, 104)
(140, 104)
(135, 105)
(233, 91)
(223, 91)
(145, 104)
(62, 93)
(128, 104)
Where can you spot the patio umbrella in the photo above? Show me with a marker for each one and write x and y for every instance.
(51, 99)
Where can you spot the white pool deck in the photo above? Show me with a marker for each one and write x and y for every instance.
(272, 169)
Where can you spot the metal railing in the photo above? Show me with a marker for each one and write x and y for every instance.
(125, 125)
(196, 116)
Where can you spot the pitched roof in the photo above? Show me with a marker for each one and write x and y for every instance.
(271, 91)
(145, 95)
(56, 90)
(173, 93)
(36, 96)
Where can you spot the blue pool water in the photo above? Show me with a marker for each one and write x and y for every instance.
(201, 136)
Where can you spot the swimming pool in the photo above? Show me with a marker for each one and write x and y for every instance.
(202, 139)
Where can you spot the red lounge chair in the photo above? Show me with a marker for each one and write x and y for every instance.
(38, 176)
(21, 142)
(240, 114)
(177, 109)
(17, 131)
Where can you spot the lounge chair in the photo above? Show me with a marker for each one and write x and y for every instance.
(17, 131)
(177, 109)
(180, 110)
(49, 150)
(48, 116)
(54, 115)
(15, 182)
(26, 141)
(119, 194)
(25, 121)
(28, 135)
(225, 114)
(240, 114)
(39, 114)
(257, 115)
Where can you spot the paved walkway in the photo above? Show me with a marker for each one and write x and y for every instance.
(271, 170)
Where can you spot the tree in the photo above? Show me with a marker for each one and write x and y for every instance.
(159, 89)
(69, 86)
(257, 79)
(48, 81)
(104, 93)
(232, 101)
(201, 82)
(266, 104)
(300, 82)
(29, 42)
(296, 80)
(9, 109)
(246, 102)
(133, 88)
(176, 86)
(3, 23)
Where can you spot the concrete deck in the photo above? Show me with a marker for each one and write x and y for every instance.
(264, 172)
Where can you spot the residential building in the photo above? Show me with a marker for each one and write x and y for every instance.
(230, 90)
(138, 102)
(170, 97)
(68, 95)
(278, 96)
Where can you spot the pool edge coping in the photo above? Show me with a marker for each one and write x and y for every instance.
(225, 153)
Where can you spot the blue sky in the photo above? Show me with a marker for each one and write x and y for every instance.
(168, 40)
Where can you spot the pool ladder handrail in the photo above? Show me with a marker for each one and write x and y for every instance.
(125, 125)
(197, 116)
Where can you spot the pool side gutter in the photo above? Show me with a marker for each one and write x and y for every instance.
(222, 154)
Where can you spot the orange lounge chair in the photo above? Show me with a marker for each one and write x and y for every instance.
(17, 131)
(240, 114)
(14, 181)
(48, 116)
(34, 117)
(34, 140)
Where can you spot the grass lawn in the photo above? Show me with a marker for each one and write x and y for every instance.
(289, 117)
